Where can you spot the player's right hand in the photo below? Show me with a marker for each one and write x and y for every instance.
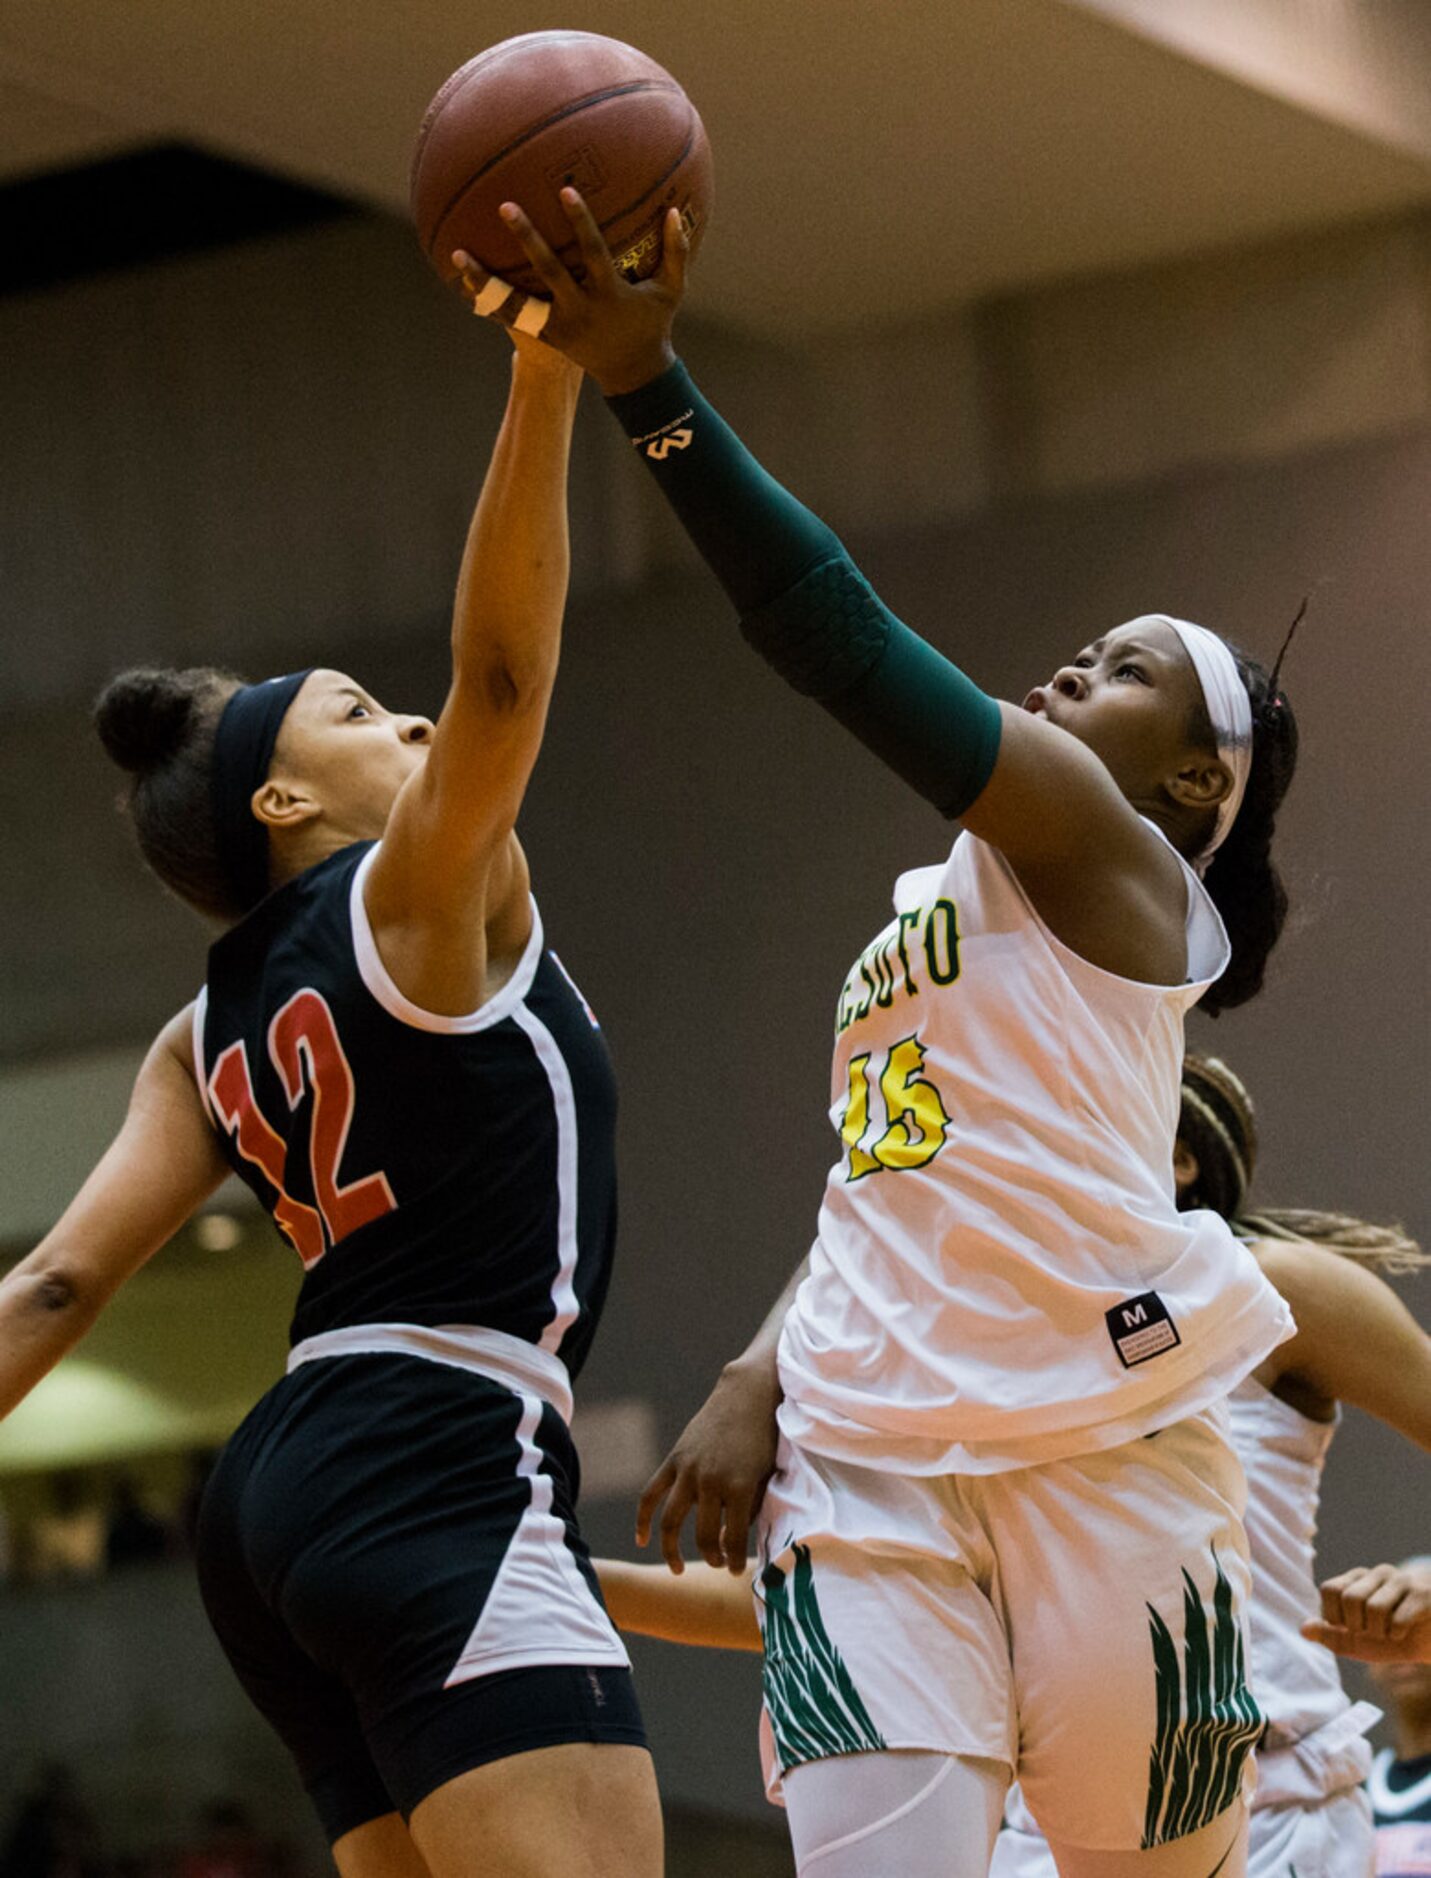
(720, 1466)
(618, 331)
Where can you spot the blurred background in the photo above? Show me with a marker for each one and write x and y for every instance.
(1060, 310)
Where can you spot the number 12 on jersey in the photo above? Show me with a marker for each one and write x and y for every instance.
(305, 1048)
(915, 1121)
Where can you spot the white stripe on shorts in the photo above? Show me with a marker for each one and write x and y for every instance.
(539, 1591)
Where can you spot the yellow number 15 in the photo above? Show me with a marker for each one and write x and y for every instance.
(917, 1119)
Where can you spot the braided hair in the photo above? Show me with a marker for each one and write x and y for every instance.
(1241, 878)
(160, 726)
(1217, 1123)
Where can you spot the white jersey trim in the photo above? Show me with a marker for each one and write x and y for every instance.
(564, 1302)
(378, 979)
(201, 1074)
(524, 1368)
(1391, 1804)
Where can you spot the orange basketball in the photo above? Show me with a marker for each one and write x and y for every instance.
(533, 114)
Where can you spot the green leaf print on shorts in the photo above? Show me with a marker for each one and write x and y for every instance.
(1207, 1716)
(814, 1708)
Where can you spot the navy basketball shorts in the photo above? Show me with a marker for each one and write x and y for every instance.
(388, 1552)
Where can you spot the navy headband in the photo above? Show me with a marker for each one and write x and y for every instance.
(243, 750)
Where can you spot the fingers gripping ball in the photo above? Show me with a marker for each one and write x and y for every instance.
(545, 110)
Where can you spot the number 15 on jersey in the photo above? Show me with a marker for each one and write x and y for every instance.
(894, 1116)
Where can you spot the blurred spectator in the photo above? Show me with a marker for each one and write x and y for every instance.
(201, 1465)
(229, 1847)
(52, 1835)
(135, 1534)
(68, 1540)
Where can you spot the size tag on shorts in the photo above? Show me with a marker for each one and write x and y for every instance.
(1141, 1328)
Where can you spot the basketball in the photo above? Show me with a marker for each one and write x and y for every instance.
(524, 119)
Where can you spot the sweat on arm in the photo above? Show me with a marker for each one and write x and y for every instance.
(805, 606)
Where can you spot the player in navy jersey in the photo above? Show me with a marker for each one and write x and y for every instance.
(388, 1054)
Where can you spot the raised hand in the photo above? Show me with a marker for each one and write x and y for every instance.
(618, 331)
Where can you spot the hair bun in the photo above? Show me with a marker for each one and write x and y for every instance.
(143, 716)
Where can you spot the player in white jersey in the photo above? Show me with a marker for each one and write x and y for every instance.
(1355, 1343)
(1004, 1463)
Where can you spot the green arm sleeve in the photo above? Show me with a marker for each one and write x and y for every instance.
(805, 606)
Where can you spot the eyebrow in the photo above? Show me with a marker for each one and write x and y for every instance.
(1131, 645)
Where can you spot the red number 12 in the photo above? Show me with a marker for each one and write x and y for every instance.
(303, 1043)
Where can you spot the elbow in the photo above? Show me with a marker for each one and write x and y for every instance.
(57, 1291)
(504, 685)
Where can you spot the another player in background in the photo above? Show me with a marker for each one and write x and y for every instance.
(1005, 1533)
(390, 1056)
(1355, 1343)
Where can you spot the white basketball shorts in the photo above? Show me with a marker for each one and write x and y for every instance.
(1082, 1620)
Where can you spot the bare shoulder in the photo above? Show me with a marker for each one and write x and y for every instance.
(1317, 1281)
(176, 1040)
(1102, 880)
(1355, 1341)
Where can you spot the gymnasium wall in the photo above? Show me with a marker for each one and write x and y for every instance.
(265, 457)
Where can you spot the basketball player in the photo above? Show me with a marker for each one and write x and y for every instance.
(1355, 1342)
(1012, 1355)
(386, 1051)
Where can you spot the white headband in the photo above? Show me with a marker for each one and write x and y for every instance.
(1230, 712)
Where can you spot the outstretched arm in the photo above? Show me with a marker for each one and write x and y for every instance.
(449, 878)
(725, 1455)
(1022, 784)
(706, 1606)
(162, 1165)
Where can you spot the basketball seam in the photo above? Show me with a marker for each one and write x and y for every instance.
(533, 130)
(659, 183)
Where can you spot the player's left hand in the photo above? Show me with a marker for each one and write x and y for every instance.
(1376, 1613)
(720, 1466)
(618, 331)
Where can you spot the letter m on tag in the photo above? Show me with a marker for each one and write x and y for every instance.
(1141, 1328)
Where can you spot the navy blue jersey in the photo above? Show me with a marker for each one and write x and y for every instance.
(428, 1170)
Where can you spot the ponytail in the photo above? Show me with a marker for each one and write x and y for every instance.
(1241, 878)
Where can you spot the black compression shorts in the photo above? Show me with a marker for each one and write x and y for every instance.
(389, 1554)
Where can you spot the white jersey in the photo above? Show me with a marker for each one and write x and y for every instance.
(1001, 1275)
(1315, 1742)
